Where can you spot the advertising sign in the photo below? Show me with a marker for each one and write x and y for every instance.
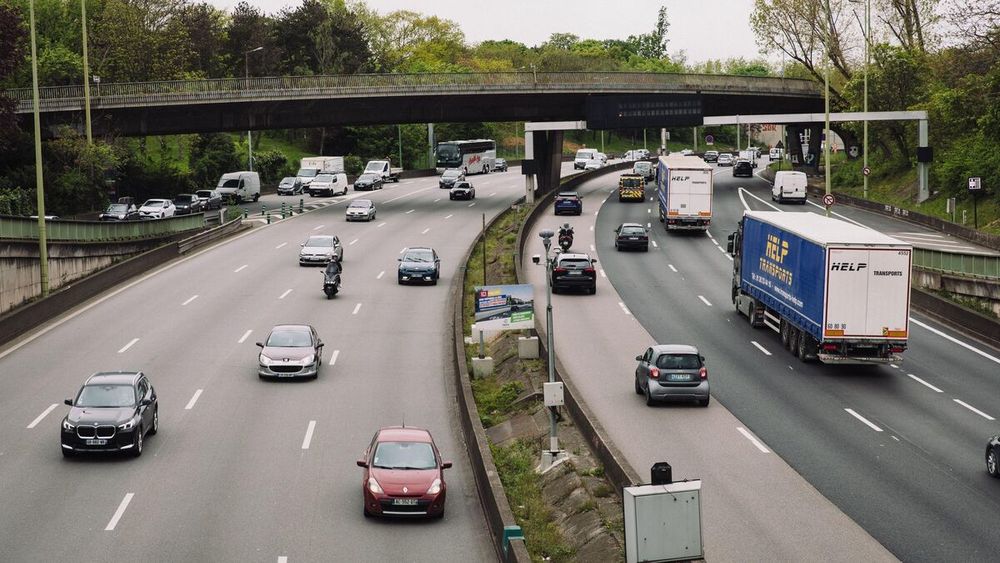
(504, 307)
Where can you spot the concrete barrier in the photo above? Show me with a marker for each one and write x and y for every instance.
(956, 316)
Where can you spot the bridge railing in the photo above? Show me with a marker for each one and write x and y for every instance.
(56, 98)
(24, 228)
(965, 265)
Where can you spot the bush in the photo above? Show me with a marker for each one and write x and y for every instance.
(353, 164)
(270, 165)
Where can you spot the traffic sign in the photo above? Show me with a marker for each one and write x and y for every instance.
(709, 140)
(829, 200)
(975, 184)
(866, 171)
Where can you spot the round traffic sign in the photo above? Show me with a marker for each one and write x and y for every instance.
(709, 140)
(866, 170)
(828, 200)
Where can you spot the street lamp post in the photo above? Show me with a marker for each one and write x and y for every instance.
(86, 73)
(826, 130)
(43, 249)
(246, 60)
(546, 236)
(868, 30)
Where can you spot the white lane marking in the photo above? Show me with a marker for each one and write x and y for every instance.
(705, 301)
(753, 439)
(922, 235)
(285, 294)
(742, 191)
(352, 242)
(382, 224)
(595, 213)
(380, 274)
(955, 340)
(309, 435)
(893, 366)
(190, 299)
(603, 275)
(238, 270)
(709, 233)
(814, 204)
(406, 195)
(869, 423)
(194, 399)
(591, 227)
(472, 204)
(649, 211)
(127, 346)
(410, 211)
(649, 225)
(918, 380)
(759, 347)
(356, 309)
(283, 559)
(672, 269)
(624, 308)
(722, 250)
(729, 256)
(318, 227)
(492, 194)
(118, 513)
(402, 250)
(244, 337)
(592, 249)
(450, 216)
(654, 244)
(280, 245)
(424, 232)
(333, 357)
(45, 413)
(973, 409)
(437, 200)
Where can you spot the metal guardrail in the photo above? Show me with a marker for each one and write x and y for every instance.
(24, 228)
(965, 265)
(65, 98)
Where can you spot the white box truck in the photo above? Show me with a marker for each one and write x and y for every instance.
(239, 186)
(835, 292)
(684, 189)
(310, 166)
(582, 156)
(384, 169)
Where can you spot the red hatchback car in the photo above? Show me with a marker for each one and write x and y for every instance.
(404, 474)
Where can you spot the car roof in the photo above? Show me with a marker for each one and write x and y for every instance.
(409, 248)
(113, 378)
(573, 256)
(360, 202)
(567, 194)
(674, 349)
(404, 434)
(633, 225)
(155, 201)
(291, 328)
(311, 237)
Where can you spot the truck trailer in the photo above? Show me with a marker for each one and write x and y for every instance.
(835, 291)
(684, 191)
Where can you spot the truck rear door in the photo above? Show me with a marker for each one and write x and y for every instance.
(868, 293)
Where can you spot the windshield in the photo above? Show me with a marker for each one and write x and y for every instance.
(586, 154)
(678, 361)
(307, 172)
(363, 203)
(404, 455)
(575, 263)
(117, 208)
(289, 339)
(324, 178)
(568, 196)
(184, 198)
(633, 231)
(320, 241)
(418, 256)
(106, 396)
(451, 174)
(232, 183)
(642, 165)
(633, 182)
(204, 193)
(287, 181)
(368, 177)
(153, 203)
(448, 152)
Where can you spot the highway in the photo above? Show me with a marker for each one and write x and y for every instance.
(244, 469)
(899, 448)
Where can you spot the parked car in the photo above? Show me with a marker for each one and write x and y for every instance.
(568, 202)
(462, 190)
(672, 371)
(328, 184)
(320, 249)
(500, 165)
(112, 412)
(367, 182)
(419, 264)
(361, 210)
(450, 176)
(290, 351)
(210, 199)
(631, 235)
(290, 185)
(724, 159)
(157, 209)
(574, 271)
(119, 212)
(403, 474)
(993, 456)
(743, 167)
(187, 204)
(711, 156)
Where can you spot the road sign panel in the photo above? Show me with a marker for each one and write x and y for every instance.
(709, 140)
(975, 184)
(829, 200)
(866, 171)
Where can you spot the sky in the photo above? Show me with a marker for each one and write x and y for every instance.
(703, 30)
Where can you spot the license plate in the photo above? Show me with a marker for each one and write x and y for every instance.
(575, 273)
(97, 442)
(633, 238)
(404, 501)
(680, 377)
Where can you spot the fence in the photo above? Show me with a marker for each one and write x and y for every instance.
(23, 228)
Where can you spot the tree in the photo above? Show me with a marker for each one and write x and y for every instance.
(12, 39)
(652, 45)
(204, 26)
(402, 34)
(212, 155)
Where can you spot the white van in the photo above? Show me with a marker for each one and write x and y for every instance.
(789, 186)
(582, 156)
(241, 186)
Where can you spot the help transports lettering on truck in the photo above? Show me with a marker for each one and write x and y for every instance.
(774, 256)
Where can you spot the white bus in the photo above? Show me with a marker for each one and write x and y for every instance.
(476, 156)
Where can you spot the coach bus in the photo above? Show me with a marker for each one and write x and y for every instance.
(476, 156)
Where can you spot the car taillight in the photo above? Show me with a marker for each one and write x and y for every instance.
(654, 373)
(897, 349)
(588, 270)
(559, 271)
(703, 373)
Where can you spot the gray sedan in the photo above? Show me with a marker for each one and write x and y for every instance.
(672, 371)
(320, 249)
(290, 351)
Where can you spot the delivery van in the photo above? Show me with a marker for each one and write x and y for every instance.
(789, 185)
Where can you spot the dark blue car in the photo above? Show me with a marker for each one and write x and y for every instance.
(568, 202)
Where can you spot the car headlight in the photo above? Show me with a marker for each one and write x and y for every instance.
(127, 426)
(67, 425)
(265, 361)
(308, 359)
(435, 487)
(374, 487)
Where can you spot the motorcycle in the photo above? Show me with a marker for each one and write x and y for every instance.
(331, 285)
(566, 240)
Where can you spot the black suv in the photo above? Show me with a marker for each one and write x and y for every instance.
(743, 168)
(112, 413)
(572, 270)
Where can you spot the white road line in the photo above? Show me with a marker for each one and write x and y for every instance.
(356, 309)
(759, 347)
(437, 200)
(382, 224)
(591, 227)
(238, 270)
(244, 337)
(869, 423)
(450, 216)
(352, 242)
(603, 275)
(406, 195)
(333, 357)
(974, 409)
(709, 233)
(649, 211)
(814, 204)
(592, 249)
(283, 559)
(672, 269)
(285, 294)
(410, 211)
(955, 340)
(893, 366)
(309, 435)
(492, 194)
(922, 235)
(280, 245)
(118, 513)
(403, 250)
(194, 399)
(654, 244)
(424, 232)
(649, 225)
(918, 380)
(380, 274)
(705, 301)
(318, 227)
(595, 213)
(624, 308)
(753, 439)
(729, 256)
(45, 413)
(190, 299)
(127, 346)
(472, 204)
(742, 191)
(722, 250)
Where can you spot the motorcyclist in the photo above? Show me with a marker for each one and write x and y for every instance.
(565, 237)
(333, 269)
(565, 229)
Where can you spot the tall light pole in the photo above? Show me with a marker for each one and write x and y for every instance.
(826, 128)
(547, 235)
(86, 73)
(43, 250)
(868, 30)
(246, 60)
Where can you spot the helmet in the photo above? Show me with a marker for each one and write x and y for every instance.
(566, 226)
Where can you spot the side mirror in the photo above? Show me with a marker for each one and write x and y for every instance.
(260, 344)
(320, 344)
(593, 260)
(303, 245)
(146, 402)
(69, 402)
(399, 259)
(446, 465)
(362, 463)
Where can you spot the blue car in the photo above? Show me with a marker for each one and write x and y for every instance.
(568, 202)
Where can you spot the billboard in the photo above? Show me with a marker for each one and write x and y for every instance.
(504, 307)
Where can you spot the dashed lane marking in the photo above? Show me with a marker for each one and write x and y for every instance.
(759, 347)
(194, 399)
(867, 422)
(753, 439)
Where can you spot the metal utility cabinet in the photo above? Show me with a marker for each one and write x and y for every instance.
(663, 522)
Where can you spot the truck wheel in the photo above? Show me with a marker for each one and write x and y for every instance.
(783, 331)
(793, 340)
(807, 348)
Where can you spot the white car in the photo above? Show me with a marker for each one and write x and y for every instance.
(725, 159)
(361, 210)
(157, 209)
(328, 184)
(593, 164)
(687, 152)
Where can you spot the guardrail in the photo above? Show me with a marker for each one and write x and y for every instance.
(65, 98)
(25, 228)
(964, 265)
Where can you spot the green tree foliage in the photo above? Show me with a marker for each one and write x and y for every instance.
(212, 155)
(271, 165)
(12, 35)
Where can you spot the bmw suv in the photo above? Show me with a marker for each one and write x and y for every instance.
(112, 412)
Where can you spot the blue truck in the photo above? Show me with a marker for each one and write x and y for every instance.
(834, 291)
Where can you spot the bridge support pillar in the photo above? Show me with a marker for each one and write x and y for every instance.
(548, 159)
